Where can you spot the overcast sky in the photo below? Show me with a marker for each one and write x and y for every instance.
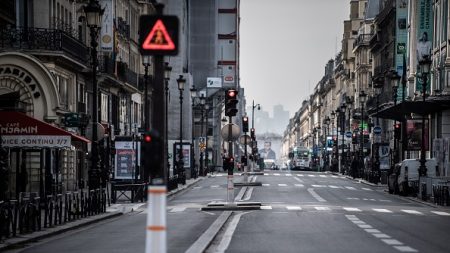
(284, 46)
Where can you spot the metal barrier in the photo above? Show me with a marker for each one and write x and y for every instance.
(413, 187)
(137, 192)
(30, 213)
(424, 194)
(441, 195)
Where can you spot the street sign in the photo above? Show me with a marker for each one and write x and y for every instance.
(348, 134)
(242, 139)
(158, 35)
(377, 130)
(234, 132)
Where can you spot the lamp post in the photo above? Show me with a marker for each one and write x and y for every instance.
(343, 108)
(327, 125)
(94, 14)
(181, 81)
(362, 101)
(206, 106)
(193, 91)
(424, 64)
(253, 127)
(167, 71)
(333, 116)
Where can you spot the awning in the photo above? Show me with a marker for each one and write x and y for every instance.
(398, 112)
(19, 130)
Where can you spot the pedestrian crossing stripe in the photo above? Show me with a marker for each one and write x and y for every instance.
(322, 208)
(293, 208)
(282, 185)
(299, 185)
(382, 210)
(412, 212)
(441, 213)
(352, 209)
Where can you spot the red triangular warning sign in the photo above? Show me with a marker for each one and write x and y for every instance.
(158, 38)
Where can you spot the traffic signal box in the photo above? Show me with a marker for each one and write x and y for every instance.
(252, 133)
(245, 124)
(397, 131)
(231, 102)
(228, 164)
(151, 146)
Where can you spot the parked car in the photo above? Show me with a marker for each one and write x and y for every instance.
(409, 171)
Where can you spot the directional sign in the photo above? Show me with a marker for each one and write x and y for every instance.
(348, 134)
(158, 35)
(377, 130)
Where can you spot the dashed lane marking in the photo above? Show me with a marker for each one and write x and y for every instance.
(364, 226)
(323, 176)
(283, 185)
(265, 184)
(382, 210)
(177, 209)
(299, 185)
(405, 249)
(350, 187)
(367, 189)
(391, 242)
(276, 174)
(322, 208)
(381, 235)
(352, 209)
(311, 175)
(412, 212)
(441, 213)
(296, 208)
(266, 207)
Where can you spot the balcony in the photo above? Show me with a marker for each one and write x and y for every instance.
(52, 40)
(126, 75)
(362, 40)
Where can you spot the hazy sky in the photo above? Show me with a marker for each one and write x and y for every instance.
(284, 46)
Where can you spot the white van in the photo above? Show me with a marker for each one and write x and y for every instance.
(409, 171)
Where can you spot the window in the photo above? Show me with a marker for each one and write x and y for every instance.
(63, 91)
(104, 102)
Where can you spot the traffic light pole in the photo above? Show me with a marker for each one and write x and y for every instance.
(230, 184)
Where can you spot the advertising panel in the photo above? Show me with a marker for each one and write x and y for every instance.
(125, 159)
(424, 34)
(106, 32)
(414, 134)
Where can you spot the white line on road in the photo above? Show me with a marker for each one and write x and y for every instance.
(276, 174)
(391, 242)
(266, 174)
(352, 209)
(177, 209)
(299, 185)
(381, 235)
(248, 194)
(266, 207)
(334, 186)
(412, 212)
(288, 175)
(334, 176)
(300, 175)
(215, 186)
(282, 184)
(311, 175)
(405, 249)
(367, 189)
(315, 195)
(241, 194)
(350, 187)
(297, 208)
(372, 231)
(226, 239)
(441, 213)
(254, 179)
(322, 208)
(364, 226)
(358, 222)
(298, 179)
(323, 176)
(382, 210)
(265, 184)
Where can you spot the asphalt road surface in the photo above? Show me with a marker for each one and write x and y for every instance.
(300, 212)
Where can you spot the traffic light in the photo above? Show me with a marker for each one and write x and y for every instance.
(228, 164)
(354, 138)
(245, 124)
(252, 133)
(230, 102)
(397, 131)
(244, 160)
(151, 146)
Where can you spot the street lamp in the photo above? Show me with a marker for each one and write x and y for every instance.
(326, 123)
(333, 116)
(167, 71)
(424, 64)
(193, 92)
(378, 89)
(343, 109)
(94, 14)
(362, 101)
(253, 127)
(181, 81)
(206, 106)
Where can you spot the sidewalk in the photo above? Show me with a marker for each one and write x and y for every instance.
(112, 211)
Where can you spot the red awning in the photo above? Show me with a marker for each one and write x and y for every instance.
(20, 130)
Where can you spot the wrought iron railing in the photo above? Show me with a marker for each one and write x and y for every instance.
(43, 39)
(362, 39)
(31, 213)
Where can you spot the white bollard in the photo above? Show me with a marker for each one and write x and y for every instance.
(156, 236)
(230, 189)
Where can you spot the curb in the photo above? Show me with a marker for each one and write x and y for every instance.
(39, 235)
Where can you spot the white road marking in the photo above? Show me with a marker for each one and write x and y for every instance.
(288, 175)
(382, 210)
(315, 195)
(372, 231)
(248, 194)
(226, 239)
(334, 176)
(299, 185)
(385, 200)
(353, 198)
(215, 186)
(311, 175)
(177, 209)
(323, 176)
(391, 242)
(266, 174)
(197, 187)
(334, 186)
(350, 187)
(381, 235)
(254, 179)
(364, 226)
(300, 175)
(297, 208)
(276, 174)
(441, 213)
(265, 184)
(241, 194)
(405, 249)
(351, 217)
(322, 208)
(358, 222)
(367, 189)
(317, 186)
(298, 179)
(352, 209)
(266, 207)
(412, 212)
(282, 184)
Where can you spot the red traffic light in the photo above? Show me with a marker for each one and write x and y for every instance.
(231, 93)
(147, 138)
(397, 125)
